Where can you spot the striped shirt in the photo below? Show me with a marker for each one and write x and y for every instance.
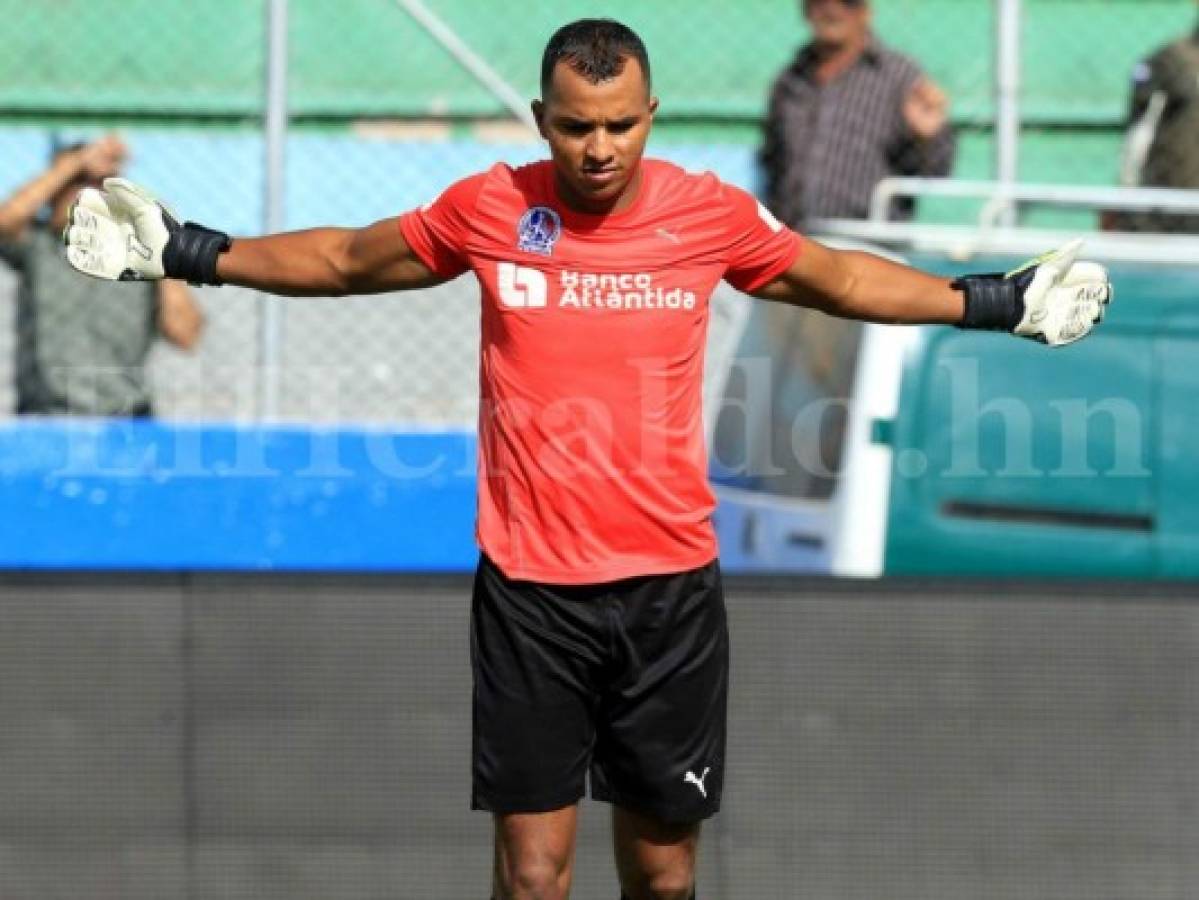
(827, 145)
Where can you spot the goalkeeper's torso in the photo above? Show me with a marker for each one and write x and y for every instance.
(592, 458)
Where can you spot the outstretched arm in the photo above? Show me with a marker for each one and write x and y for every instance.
(1052, 299)
(857, 285)
(123, 233)
(327, 262)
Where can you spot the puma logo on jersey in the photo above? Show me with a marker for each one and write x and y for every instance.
(691, 778)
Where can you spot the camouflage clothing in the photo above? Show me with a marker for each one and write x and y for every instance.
(1165, 102)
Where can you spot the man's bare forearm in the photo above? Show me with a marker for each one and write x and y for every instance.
(19, 209)
(879, 290)
(326, 262)
(857, 285)
(297, 264)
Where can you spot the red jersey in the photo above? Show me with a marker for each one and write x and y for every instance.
(592, 465)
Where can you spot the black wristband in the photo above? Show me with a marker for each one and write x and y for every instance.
(191, 253)
(994, 301)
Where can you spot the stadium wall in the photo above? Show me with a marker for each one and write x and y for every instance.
(217, 736)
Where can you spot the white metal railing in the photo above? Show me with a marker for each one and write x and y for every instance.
(999, 195)
(963, 243)
(993, 234)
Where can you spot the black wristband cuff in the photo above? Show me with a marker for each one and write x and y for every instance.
(993, 302)
(192, 251)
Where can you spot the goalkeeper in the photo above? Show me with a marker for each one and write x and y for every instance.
(599, 644)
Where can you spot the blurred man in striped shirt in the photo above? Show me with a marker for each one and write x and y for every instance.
(846, 113)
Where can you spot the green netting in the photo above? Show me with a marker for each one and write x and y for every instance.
(132, 56)
(352, 58)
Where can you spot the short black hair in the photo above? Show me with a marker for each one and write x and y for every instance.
(595, 48)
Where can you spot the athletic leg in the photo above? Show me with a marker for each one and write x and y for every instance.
(655, 860)
(534, 855)
(535, 652)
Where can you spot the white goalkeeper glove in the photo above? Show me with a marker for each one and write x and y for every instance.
(1053, 298)
(122, 233)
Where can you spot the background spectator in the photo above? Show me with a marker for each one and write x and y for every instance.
(845, 114)
(82, 344)
(1161, 148)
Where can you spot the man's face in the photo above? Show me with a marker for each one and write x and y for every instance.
(596, 133)
(837, 22)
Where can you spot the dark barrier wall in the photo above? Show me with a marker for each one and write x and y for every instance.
(308, 737)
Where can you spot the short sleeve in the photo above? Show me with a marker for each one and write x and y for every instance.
(438, 232)
(760, 247)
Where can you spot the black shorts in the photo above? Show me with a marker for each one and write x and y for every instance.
(626, 681)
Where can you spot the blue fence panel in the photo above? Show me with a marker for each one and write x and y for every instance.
(139, 495)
